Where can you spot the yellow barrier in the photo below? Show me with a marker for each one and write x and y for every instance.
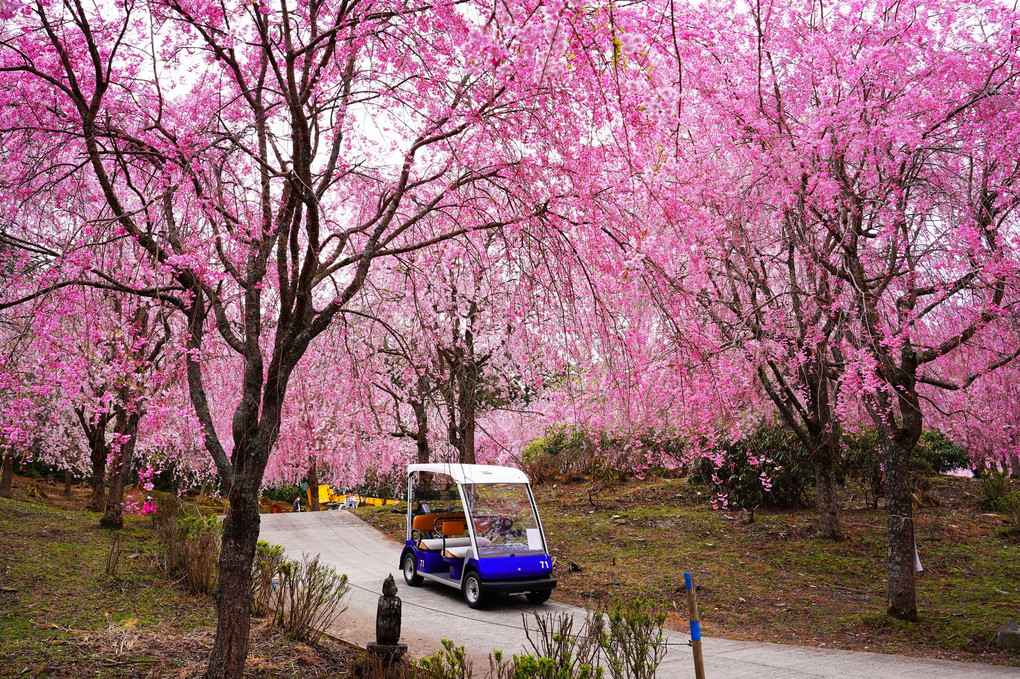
(327, 496)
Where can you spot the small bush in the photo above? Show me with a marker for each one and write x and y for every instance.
(767, 468)
(994, 489)
(568, 655)
(282, 493)
(166, 521)
(201, 551)
(564, 452)
(308, 599)
(1012, 511)
(936, 454)
(628, 636)
(535, 667)
(190, 544)
(633, 641)
(861, 463)
(264, 571)
(449, 663)
(113, 556)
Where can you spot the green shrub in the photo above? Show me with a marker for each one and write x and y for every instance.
(936, 454)
(449, 663)
(201, 545)
(861, 463)
(767, 468)
(633, 641)
(282, 493)
(1012, 511)
(264, 571)
(308, 598)
(862, 460)
(564, 452)
(994, 489)
(560, 653)
(190, 544)
(576, 453)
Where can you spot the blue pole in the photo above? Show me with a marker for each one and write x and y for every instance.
(692, 609)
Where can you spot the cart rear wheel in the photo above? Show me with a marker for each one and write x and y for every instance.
(411, 576)
(538, 597)
(473, 593)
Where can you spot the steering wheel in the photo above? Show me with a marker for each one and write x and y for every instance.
(491, 526)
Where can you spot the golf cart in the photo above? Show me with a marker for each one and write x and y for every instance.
(475, 528)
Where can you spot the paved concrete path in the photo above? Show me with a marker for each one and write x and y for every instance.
(433, 612)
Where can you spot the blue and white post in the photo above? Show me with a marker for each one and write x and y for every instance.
(692, 609)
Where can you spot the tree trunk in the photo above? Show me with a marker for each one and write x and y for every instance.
(313, 488)
(233, 592)
(98, 453)
(1014, 462)
(828, 493)
(421, 420)
(902, 597)
(113, 517)
(468, 407)
(7, 476)
(67, 483)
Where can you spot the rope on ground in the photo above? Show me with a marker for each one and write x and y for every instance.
(435, 610)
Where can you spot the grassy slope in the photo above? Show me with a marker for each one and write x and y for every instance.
(774, 580)
(66, 617)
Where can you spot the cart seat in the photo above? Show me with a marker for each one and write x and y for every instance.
(436, 544)
(427, 522)
(452, 527)
(456, 552)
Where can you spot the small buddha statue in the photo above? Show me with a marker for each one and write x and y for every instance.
(387, 619)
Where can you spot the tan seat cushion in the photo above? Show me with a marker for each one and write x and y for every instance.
(435, 544)
(456, 552)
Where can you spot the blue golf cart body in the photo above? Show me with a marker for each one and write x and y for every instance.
(487, 539)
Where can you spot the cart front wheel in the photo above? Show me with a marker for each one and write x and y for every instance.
(473, 594)
(411, 576)
(538, 597)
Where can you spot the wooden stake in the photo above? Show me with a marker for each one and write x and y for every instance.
(692, 609)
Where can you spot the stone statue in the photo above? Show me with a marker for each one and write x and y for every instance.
(387, 620)
(387, 650)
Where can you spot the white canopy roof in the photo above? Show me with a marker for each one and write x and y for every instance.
(472, 473)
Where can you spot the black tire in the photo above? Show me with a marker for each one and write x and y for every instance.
(410, 568)
(538, 597)
(472, 590)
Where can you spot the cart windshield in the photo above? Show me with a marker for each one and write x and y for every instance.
(504, 519)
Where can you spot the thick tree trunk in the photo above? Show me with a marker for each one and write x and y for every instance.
(421, 420)
(97, 500)
(113, 517)
(902, 597)
(469, 408)
(98, 453)
(1014, 461)
(313, 488)
(67, 483)
(898, 440)
(7, 476)
(233, 592)
(828, 494)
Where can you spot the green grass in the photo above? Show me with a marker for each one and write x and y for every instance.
(64, 602)
(775, 580)
(63, 615)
